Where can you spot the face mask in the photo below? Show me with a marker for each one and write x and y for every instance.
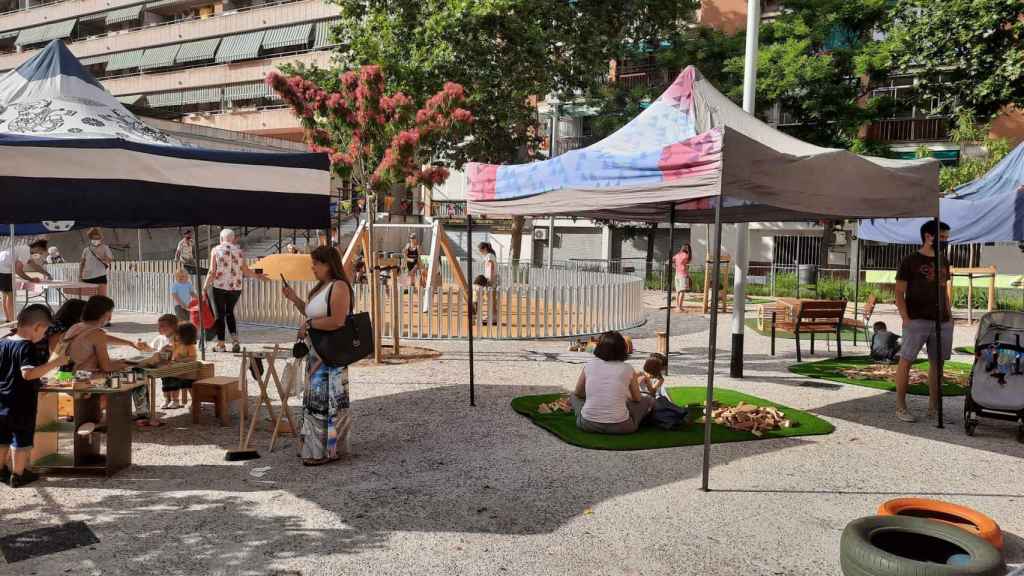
(37, 257)
(96, 242)
(942, 244)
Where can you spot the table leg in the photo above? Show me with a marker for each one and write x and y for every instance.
(151, 384)
(286, 412)
(263, 399)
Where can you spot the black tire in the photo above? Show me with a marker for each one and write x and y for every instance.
(860, 556)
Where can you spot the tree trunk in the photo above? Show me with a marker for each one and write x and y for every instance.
(826, 244)
(518, 222)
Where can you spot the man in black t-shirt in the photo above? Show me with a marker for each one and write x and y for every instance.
(919, 303)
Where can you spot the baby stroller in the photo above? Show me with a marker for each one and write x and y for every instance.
(997, 377)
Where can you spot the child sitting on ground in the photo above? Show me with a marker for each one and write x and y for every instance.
(885, 345)
(22, 364)
(182, 294)
(652, 379)
(183, 350)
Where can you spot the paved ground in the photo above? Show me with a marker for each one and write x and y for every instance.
(439, 487)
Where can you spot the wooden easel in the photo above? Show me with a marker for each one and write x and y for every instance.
(722, 291)
(262, 381)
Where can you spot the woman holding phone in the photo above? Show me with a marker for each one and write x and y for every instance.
(326, 419)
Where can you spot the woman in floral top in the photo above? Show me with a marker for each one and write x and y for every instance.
(227, 269)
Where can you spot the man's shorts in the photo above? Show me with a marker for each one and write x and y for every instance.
(918, 333)
(22, 436)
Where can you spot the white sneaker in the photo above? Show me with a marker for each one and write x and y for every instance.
(905, 416)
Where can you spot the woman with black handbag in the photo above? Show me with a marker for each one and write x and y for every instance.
(326, 419)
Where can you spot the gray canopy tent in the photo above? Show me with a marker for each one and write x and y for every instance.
(695, 156)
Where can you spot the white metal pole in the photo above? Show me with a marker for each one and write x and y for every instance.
(14, 281)
(741, 259)
(552, 152)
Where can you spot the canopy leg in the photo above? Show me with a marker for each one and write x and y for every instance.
(469, 303)
(712, 344)
(199, 289)
(669, 280)
(940, 305)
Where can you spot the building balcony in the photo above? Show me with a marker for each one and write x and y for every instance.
(909, 130)
(41, 12)
(277, 121)
(213, 75)
(170, 33)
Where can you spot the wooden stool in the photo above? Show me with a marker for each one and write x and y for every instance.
(218, 390)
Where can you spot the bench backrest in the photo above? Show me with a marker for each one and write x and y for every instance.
(821, 312)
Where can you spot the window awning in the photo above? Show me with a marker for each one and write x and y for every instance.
(197, 51)
(124, 14)
(201, 96)
(161, 3)
(297, 35)
(92, 60)
(159, 57)
(240, 47)
(130, 100)
(164, 100)
(124, 60)
(250, 91)
(101, 16)
(46, 32)
(323, 33)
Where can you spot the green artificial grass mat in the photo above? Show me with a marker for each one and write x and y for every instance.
(759, 300)
(805, 337)
(829, 370)
(649, 436)
(964, 350)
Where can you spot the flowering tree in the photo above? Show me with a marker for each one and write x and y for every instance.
(375, 140)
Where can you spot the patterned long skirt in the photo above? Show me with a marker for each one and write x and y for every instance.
(326, 419)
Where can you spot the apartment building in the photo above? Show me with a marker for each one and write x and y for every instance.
(197, 61)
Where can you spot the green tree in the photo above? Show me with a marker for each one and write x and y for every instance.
(816, 61)
(969, 133)
(966, 54)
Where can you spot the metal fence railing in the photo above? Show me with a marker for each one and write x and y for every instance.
(527, 303)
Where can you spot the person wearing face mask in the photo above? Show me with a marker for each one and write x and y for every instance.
(96, 261)
(16, 263)
(918, 303)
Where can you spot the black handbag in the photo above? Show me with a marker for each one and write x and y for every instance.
(668, 415)
(348, 344)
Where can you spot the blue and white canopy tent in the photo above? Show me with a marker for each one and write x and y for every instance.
(989, 209)
(69, 151)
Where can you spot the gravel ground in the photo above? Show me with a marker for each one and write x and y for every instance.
(440, 487)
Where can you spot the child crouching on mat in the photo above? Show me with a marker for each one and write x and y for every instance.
(652, 379)
(183, 350)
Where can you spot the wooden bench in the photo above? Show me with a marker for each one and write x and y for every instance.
(813, 317)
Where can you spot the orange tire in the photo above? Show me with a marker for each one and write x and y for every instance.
(960, 516)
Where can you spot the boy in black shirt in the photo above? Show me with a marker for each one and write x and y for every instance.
(919, 305)
(22, 364)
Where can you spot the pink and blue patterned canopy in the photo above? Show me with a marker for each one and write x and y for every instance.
(691, 146)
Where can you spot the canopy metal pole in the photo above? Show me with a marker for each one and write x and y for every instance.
(712, 344)
(669, 278)
(280, 240)
(940, 304)
(14, 280)
(199, 289)
(856, 286)
(469, 304)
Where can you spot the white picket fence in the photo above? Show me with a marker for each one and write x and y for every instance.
(533, 302)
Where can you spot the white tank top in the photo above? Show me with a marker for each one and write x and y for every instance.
(317, 305)
(607, 391)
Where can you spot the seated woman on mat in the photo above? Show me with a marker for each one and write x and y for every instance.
(607, 398)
